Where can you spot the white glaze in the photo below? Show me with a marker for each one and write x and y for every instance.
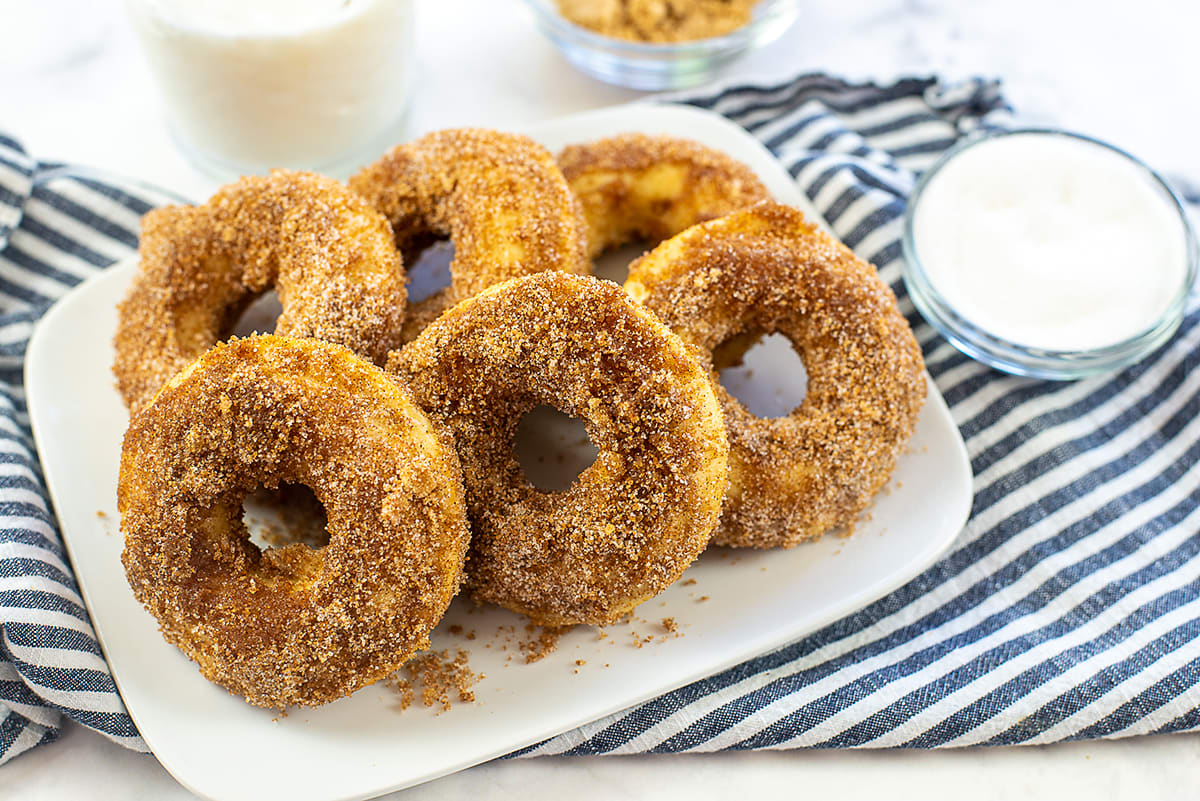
(1051, 242)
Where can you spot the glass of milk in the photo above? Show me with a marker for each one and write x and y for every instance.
(253, 84)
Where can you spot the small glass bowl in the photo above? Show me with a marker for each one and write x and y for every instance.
(655, 67)
(1025, 360)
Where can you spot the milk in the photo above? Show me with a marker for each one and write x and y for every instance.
(253, 84)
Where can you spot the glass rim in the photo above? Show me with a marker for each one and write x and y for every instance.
(995, 351)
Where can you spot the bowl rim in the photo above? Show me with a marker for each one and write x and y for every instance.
(762, 12)
(1011, 357)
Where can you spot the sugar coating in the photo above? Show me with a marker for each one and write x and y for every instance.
(327, 253)
(639, 187)
(291, 625)
(500, 198)
(723, 284)
(632, 521)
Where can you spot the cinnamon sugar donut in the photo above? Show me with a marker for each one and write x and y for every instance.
(291, 625)
(634, 186)
(764, 270)
(499, 197)
(632, 521)
(328, 254)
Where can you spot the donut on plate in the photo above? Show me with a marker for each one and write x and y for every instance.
(764, 270)
(328, 254)
(639, 187)
(499, 197)
(291, 625)
(631, 522)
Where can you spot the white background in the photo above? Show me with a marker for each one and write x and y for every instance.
(1123, 72)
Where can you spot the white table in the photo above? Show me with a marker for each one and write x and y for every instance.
(1125, 77)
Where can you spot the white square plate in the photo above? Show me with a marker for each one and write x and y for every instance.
(220, 747)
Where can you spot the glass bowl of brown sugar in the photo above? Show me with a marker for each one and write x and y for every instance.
(672, 45)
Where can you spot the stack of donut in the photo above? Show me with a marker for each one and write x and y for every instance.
(401, 419)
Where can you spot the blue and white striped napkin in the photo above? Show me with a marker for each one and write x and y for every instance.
(1068, 608)
(58, 225)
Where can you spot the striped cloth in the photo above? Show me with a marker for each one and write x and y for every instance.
(1068, 608)
(58, 226)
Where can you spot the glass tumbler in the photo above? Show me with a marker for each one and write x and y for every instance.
(305, 84)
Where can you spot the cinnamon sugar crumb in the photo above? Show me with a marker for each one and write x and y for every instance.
(670, 625)
(690, 582)
(438, 677)
(543, 642)
(404, 688)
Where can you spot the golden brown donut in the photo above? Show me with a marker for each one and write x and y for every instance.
(632, 521)
(499, 197)
(764, 270)
(328, 254)
(639, 187)
(291, 625)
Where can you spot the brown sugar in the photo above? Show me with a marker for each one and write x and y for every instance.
(659, 21)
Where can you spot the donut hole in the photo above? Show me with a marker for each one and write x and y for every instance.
(429, 272)
(257, 318)
(290, 514)
(613, 264)
(768, 377)
(552, 448)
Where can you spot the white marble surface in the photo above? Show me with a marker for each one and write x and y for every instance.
(85, 766)
(1120, 72)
